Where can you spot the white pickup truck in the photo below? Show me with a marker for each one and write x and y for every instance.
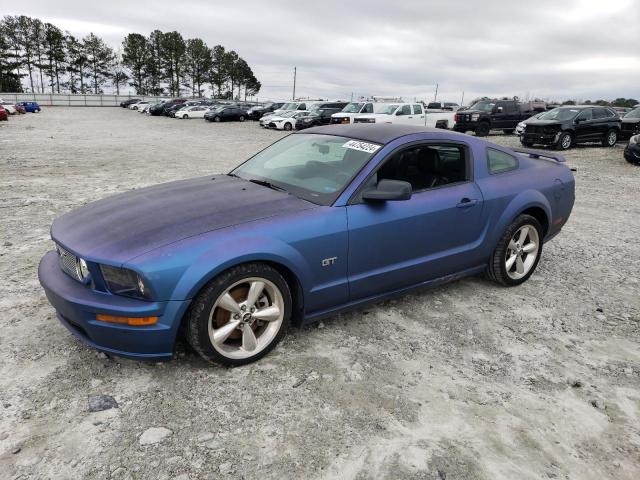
(408, 114)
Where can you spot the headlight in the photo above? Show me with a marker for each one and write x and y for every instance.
(475, 117)
(635, 139)
(122, 281)
(521, 125)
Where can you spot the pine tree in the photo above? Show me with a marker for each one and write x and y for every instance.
(99, 58)
(135, 56)
(197, 63)
(54, 50)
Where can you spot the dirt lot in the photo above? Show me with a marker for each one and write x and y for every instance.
(466, 381)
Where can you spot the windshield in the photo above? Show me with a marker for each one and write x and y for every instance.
(559, 114)
(388, 109)
(288, 114)
(313, 167)
(633, 113)
(483, 106)
(289, 106)
(353, 108)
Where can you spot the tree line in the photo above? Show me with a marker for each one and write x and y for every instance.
(44, 58)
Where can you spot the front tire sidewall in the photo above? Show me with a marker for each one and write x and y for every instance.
(287, 127)
(217, 119)
(564, 144)
(497, 269)
(197, 321)
(607, 140)
(483, 129)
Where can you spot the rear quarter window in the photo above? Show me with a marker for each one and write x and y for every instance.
(499, 162)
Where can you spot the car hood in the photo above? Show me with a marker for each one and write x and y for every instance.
(631, 120)
(543, 123)
(124, 226)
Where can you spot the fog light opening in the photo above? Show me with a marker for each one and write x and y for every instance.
(132, 321)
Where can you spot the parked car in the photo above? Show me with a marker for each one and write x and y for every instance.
(351, 111)
(523, 124)
(226, 113)
(632, 150)
(408, 114)
(4, 115)
(316, 118)
(131, 101)
(295, 234)
(286, 121)
(622, 111)
(451, 106)
(9, 107)
(564, 127)
(630, 124)
(163, 107)
(145, 108)
(138, 105)
(255, 113)
(291, 106)
(197, 111)
(485, 115)
(31, 107)
(19, 108)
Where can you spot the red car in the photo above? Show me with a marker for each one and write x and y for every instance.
(3, 114)
(19, 108)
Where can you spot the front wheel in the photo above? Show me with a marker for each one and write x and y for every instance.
(610, 139)
(240, 316)
(564, 142)
(287, 126)
(185, 116)
(482, 130)
(518, 252)
(241, 118)
(216, 119)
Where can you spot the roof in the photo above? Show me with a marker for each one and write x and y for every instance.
(382, 133)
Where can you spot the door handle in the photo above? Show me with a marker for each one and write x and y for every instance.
(410, 117)
(467, 202)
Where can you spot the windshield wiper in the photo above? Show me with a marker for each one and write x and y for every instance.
(270, 185)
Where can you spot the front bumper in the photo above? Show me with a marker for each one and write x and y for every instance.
(540, 138)
(632, 153)
(464, 127)
(77, 306)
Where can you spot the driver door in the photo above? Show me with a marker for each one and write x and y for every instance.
(395, 244)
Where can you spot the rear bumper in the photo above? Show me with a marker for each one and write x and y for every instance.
(77, 305)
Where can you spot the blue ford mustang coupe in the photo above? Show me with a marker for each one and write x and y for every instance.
(318, 222)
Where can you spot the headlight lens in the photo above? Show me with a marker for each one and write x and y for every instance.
(82, 269)
(634, 139)
(122, 281)
(475, 117)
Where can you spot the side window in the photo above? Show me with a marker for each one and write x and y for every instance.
(499, 162)
(600, 112)
(368, 108)
(510, 107)
(404, 110)
(302, 106)
(585, 114)
(427, 166)
(417, 109)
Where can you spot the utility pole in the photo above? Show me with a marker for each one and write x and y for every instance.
(294, 84)
(435, 97)
(462, 101)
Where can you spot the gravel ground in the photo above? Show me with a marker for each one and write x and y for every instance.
(465, 381)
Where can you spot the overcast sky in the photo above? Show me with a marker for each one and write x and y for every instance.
(543, 48)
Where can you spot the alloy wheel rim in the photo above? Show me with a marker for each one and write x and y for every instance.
(566, 141)
(246, 318)
(522, 252)
(613, 137)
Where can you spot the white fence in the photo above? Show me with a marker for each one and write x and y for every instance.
(75, 100)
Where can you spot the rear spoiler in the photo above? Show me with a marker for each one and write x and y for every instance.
(539, 154)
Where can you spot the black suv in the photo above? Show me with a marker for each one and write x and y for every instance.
(320, 116)
(225, 113)
(566, 126)
(631, 123)
(485, 115)
(131, 101)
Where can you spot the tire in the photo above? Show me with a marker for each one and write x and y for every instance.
(526, 144)
(508, 131)
(287, 126)
(482, 130)
(504, 267)
(564, 142)
(217, 119)
(610, 139)
(185, 116)
(241, 118)
(206, 317)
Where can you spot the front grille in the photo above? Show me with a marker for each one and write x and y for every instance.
(629, 127)
(68, 263)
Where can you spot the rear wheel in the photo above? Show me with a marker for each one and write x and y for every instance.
(564, 142)
(482, 130)
(518, 252)
(240, 316)
(610, 139)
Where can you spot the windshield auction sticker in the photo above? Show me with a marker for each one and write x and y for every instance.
(362, 146)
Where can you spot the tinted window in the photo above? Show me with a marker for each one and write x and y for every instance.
(585, 114)
(302, 106)
(500, 162)
(600, 112)
(510, 107)
(368, 108)
(426, 166)
(417, 109)
(404, 110)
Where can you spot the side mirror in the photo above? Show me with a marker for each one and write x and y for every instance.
(388, 190)
(579, 120)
